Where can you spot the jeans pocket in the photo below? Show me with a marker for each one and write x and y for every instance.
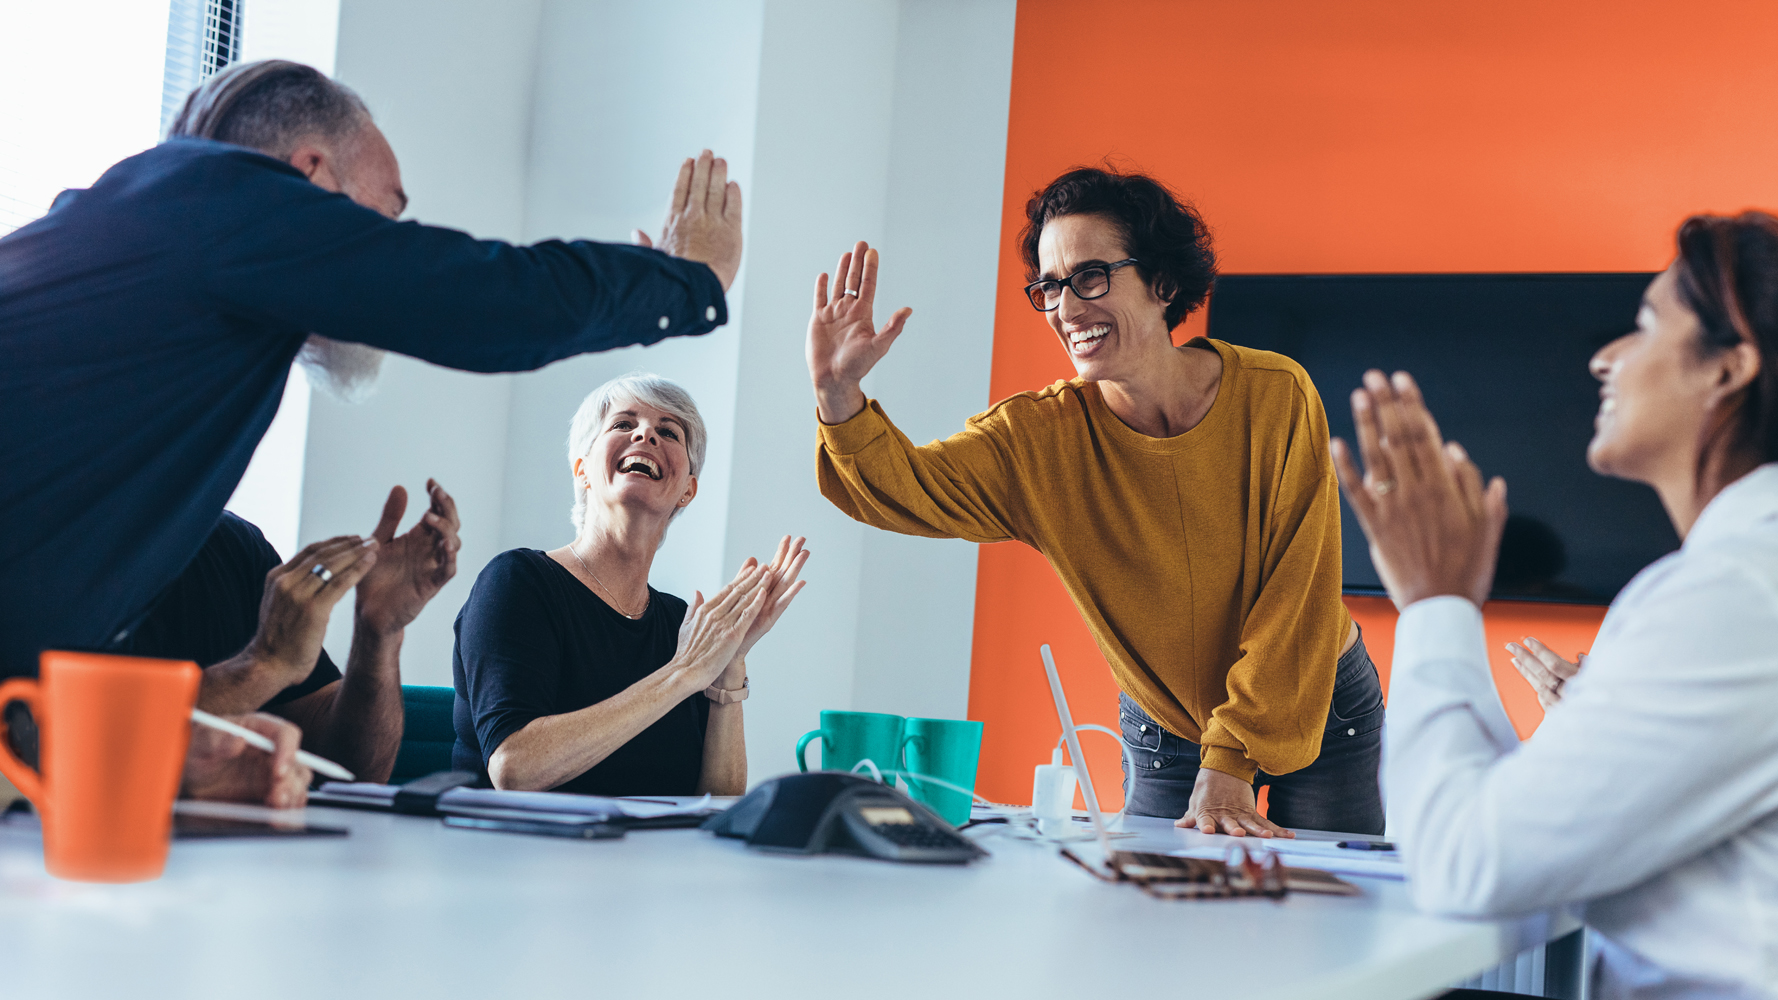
(1139, 734)
(1150, 746)
(1357, 705)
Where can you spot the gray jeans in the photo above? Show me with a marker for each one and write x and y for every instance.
(1337, 792)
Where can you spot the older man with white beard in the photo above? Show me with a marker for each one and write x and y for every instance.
(148, 324)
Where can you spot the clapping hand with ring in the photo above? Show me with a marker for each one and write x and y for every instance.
(299, 597)
(1434, 528)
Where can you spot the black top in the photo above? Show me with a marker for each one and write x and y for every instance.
(147, 325)
(210, 612)
(532, 641)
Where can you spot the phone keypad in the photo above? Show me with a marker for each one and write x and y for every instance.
(915, 835)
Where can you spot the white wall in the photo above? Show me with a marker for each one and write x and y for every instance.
(881, 120)
(270, 493)
(821, 161)
(941, 254)
(624, 92)
(449, 82)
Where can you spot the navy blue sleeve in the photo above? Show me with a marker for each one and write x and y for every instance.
(297, 256)
(509, 651)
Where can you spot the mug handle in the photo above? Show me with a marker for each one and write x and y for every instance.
(801, 745)
(17, 771)
(901, 764)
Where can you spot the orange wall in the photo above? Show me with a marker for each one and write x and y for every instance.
(1339, 136)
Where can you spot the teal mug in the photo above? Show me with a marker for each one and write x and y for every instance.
(948, 749)
(849, 737)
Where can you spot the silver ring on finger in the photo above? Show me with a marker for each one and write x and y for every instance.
(324, 573)
(1383, 487)
(852, 292)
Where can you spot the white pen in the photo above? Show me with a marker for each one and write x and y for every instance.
(320, 765)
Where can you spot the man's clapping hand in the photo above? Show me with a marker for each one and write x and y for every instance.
(704, 219)
(412, 567)
(294, 609)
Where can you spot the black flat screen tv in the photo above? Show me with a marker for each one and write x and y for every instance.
(1502, 360)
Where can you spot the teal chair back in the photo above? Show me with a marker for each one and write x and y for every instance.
(428, 734)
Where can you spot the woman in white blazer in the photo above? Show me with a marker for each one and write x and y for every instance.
(1649, 794)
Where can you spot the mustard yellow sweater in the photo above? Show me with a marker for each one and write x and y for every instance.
(1207, 564)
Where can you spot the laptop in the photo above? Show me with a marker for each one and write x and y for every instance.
(1166, 876)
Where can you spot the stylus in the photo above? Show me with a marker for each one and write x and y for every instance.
(320, 765)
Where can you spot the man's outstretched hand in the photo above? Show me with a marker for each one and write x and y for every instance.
(704, 218)
(412, 567)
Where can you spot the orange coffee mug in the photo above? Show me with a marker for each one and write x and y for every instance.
(112, 737)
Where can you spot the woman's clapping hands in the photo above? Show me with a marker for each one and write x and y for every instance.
(1433, 525)
(784, 569)
(716, 635)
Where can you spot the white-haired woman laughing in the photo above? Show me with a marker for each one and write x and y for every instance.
(572, 673)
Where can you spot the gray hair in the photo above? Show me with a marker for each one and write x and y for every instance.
(642, 387)
(272, 105)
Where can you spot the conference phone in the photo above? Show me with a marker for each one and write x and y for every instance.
(833, 812)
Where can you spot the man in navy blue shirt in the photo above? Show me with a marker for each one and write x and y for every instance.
(148, 324)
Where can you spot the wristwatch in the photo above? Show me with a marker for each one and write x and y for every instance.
(727, 696)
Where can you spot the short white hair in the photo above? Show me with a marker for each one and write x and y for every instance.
(642, 387)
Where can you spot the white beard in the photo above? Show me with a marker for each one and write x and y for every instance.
(344, 370)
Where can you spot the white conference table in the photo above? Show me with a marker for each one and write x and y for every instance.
(406, 907)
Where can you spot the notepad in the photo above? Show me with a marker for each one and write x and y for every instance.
(494, 803)
(1326, 855)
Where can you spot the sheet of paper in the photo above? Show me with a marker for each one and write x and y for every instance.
(1326, 855)
(563, 803)
(358, 791)
(642, 807)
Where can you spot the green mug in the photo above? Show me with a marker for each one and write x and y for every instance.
(849, 737)
(947, 749)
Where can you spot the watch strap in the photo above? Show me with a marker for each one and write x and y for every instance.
(727, 696)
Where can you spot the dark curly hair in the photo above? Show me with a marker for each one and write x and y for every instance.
(1728, 276)
(1167, 237)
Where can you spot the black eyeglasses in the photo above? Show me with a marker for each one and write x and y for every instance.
(1088, 283)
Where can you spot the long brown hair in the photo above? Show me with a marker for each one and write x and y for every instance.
(1728, 276)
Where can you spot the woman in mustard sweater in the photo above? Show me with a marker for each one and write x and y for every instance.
(1184, 496)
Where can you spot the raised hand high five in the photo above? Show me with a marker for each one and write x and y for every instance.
(704, 220)
(844, 343)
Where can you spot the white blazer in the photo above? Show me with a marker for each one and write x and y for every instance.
(1649, 794)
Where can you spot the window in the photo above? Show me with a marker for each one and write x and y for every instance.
(64, 121)
(203, 36)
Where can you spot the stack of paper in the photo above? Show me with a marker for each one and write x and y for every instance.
(493, 803)
(354, 795)
(1326, 855)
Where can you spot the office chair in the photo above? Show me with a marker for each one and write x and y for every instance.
(428, 734)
